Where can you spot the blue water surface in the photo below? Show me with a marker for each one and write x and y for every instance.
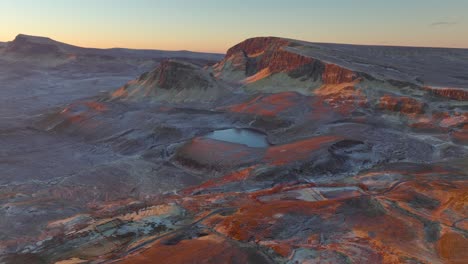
(243, 136)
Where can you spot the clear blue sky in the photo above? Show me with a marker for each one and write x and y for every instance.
(210, 25)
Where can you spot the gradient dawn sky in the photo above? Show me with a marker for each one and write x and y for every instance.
(215, 25)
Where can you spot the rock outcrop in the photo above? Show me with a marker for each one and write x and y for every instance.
(450, 93)
(173, 81)
(272, 62)
(404, 105)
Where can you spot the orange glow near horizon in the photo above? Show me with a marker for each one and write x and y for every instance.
(214, 26)
(214, 47)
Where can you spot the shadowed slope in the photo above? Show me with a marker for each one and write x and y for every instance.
(175, 81)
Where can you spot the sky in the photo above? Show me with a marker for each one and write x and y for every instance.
(216, 25)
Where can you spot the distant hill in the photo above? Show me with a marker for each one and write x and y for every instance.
(50, 52)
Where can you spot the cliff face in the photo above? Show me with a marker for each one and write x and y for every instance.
(261, 53)
(257, 45)
(334, 74)
(265, 57)
(450, 93)
(403, 105)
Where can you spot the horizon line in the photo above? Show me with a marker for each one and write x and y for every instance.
(219, 52)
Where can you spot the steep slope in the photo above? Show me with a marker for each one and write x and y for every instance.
(441, 67)
(389, 80)
(265, 64)
(173, 81)
(270, 55)
(271, 64)
(32, 46)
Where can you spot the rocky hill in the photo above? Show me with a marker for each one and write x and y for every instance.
(314, 64)
(174, 81)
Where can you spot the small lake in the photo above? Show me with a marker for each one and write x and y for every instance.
(243, 136)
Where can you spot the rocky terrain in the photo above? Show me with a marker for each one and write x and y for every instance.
(174, 81)
(283, 151)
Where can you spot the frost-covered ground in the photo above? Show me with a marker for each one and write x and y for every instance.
(364, 163)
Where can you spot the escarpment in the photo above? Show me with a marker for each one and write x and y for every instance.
(450, 93)
(334, 74)
(270, 61)
(404, 105)
(277, 65)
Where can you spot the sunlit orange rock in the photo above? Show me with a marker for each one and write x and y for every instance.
(443, 122)
(209, 153)
(296, 151)
(404, 105)
(450, 93)
(453, 248)
(230, 177)
(270, 105)
(207, 249)
(258, 58)
(257, 45)
(334, 74)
